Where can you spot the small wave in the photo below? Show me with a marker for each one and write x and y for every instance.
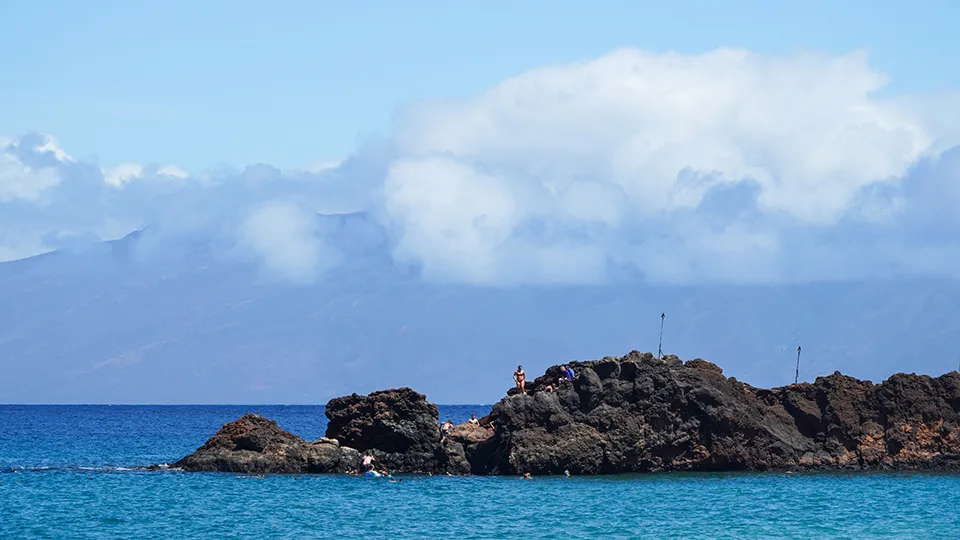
(87, 468)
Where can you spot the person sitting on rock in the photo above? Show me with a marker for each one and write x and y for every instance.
(565, 376)
(368, 462)
(473, 420)
(521, 378)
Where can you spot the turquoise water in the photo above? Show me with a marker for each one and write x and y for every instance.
(75, 479)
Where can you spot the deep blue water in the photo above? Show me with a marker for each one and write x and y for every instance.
(75, 479)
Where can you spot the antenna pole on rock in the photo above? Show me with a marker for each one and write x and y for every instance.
(660, 347)
(796, 376)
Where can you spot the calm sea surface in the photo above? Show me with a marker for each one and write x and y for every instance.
(75, 478)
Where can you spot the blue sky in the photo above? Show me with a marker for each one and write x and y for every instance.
(292, 83)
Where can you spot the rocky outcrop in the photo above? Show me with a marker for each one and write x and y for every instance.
(639, 413)
(399, 428)
(471, 448)
(636, 413)
(253, 444)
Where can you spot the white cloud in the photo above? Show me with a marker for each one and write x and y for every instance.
(461, 215)
(726, 166)
(24, 178)
(172, 171)
(283, 236)
(18, 181)
(50, 145)
(119, 175)
(634, 136)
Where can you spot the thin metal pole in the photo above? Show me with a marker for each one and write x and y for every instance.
(660, 347)
(796, 376)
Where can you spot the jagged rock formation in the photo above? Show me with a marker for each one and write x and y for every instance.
(398, 427)
(639, 413)
(635, 413)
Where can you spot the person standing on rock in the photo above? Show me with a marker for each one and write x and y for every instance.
(368, 462)
(521, 378)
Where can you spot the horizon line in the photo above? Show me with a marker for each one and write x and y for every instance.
(200, 404)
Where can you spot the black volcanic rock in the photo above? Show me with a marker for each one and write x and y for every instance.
(398, 427)
(639, 413)
(253, 444)
(635, 413)
(399, 420)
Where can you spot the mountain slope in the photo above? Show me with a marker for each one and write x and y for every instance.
(157, 319)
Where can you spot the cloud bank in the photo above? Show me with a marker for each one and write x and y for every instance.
(725, 166)
(283, 237)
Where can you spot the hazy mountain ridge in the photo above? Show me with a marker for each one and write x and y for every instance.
(160, 318)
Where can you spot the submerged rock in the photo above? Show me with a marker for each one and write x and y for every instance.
(635, 413)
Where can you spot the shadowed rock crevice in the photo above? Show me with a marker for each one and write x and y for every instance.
(636, 413)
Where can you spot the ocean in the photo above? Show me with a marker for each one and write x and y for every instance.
(71, 472)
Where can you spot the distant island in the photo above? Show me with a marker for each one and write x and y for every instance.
(636, 413)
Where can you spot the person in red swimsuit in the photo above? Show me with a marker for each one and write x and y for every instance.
(521, 378)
